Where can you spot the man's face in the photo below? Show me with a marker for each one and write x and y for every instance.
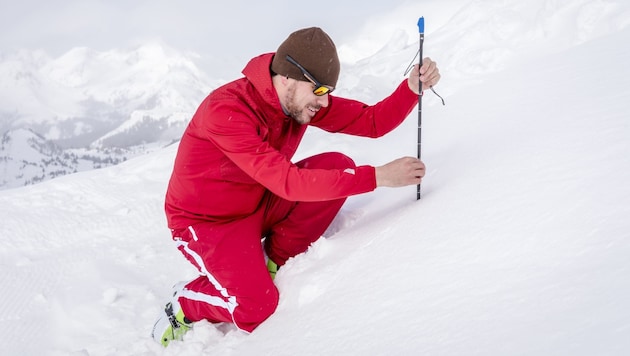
(301, 103)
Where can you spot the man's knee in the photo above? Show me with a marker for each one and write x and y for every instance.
(252, 310)
(327, 160)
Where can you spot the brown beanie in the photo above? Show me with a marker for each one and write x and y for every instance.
(313, 49)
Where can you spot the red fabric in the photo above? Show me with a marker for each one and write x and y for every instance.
(239, 144)
(291, 227)
(231, 260)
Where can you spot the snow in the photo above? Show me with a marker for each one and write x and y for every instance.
(85, 92)
(519, 245)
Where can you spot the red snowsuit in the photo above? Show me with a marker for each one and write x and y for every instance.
(233, 183)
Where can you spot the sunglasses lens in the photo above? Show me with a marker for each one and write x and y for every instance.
(319, 88)
(322, 90)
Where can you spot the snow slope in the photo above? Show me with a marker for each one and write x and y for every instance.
(519, 245)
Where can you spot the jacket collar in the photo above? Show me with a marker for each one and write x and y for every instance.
(258, 73)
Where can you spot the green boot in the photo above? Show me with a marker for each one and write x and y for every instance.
(272, 268)
(171, 325)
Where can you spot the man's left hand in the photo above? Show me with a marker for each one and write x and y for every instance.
(429, 74)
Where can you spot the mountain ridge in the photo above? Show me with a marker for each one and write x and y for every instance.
(88, 109)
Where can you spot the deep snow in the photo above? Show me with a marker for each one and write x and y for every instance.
(519, 245)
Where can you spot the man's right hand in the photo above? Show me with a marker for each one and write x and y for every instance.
(401, 172)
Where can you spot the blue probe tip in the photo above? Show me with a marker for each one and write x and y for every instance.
(421, 25)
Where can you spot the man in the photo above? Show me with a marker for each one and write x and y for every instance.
(234, 184)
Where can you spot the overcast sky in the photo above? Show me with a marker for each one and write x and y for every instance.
(205, 27)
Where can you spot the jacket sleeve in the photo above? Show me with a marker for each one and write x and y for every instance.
(238, 136)
(359, 119)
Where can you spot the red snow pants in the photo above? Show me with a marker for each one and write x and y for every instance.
(234, 285)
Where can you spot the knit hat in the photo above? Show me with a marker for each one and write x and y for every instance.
(313, 49)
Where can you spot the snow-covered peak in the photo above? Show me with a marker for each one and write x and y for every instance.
(98, 100)
(86, 93)
(118, 77)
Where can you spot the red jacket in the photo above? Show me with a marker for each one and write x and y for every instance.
(240, 143)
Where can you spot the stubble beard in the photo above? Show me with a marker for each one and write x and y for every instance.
(293, 110)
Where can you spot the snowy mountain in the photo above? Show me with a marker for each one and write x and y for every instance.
(28, 158)
(519, 245)
(110, 105)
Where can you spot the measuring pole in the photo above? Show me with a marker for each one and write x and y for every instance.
(421, 30)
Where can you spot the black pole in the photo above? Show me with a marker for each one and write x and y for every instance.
(421, 30)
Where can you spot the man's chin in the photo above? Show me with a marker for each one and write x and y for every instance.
(302, 120)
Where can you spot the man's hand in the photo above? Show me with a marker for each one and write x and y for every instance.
(429, 74)
(401, 172)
